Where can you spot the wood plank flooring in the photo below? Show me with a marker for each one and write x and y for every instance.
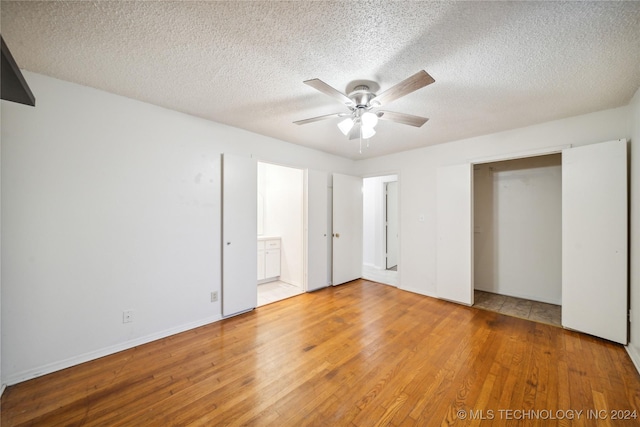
(361, 354)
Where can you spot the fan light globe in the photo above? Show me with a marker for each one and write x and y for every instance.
(345, 126)
(369, 119)
(367, 131)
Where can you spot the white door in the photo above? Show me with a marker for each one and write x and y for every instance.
(317, 212)
(239, 234)
(392, 223)
(594, 240)
(347, 228)
(454, 216)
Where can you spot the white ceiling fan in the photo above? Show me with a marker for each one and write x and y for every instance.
(360, 122)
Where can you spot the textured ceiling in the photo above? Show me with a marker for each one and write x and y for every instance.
(497, 65)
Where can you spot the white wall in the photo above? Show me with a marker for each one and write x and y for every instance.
(518, 228)
(634, 253)
(110, 204)
(284, 217)
(418, 171)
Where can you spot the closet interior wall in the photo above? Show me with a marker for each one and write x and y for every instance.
(518, 228)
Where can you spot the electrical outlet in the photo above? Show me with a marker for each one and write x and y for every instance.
(127, 316)
(214, 296)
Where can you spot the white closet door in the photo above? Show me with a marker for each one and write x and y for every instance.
(347, 228)
(594, 240)
(239, 234)
(317, 210)
(454, 215)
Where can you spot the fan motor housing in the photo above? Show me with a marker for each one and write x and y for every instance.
(361, 95)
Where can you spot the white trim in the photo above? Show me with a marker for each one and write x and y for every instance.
(419, 292)
(92, 355)
(2, 388)
(380, 275)
(634, 355)
(382, 174)
(521, 154)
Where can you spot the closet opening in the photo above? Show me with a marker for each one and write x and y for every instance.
(380, 244)
(280, 249)
(517, 242)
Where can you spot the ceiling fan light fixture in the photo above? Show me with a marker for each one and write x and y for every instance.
(369, 119)
(361, 121)
(345, 125)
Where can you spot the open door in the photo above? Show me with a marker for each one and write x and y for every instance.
(454, 216)
(239, 234)
(317, 210)
(347, 228)
(391, 222)
(594, 240)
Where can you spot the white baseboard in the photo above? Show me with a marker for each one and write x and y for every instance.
(92, 355)
(369, 265)
(2, 389)
(376, 274)
(419, 291)
(634, 355)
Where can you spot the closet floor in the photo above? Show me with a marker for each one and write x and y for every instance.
(276, 291)
(518, 307)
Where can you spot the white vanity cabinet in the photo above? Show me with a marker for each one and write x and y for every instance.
(268, 258)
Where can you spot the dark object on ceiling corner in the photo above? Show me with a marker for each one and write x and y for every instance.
(14, 87)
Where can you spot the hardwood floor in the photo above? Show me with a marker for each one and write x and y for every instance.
(360, 354)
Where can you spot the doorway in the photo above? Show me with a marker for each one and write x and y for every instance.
(518, 237)
(280, 217)
(380, 229)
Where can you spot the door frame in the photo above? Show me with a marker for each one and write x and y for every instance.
(459, 296)
(534, 153)
(386, 223)
(302, 197)
(305, 223)
(398, 179)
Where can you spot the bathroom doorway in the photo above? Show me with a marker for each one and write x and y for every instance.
(280, 247)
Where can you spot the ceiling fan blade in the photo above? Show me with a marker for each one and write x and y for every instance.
(405, 119)
(405, 87)
(328, 90)
(326, 116)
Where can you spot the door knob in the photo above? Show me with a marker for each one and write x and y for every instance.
(228, 243)
(337, 235)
